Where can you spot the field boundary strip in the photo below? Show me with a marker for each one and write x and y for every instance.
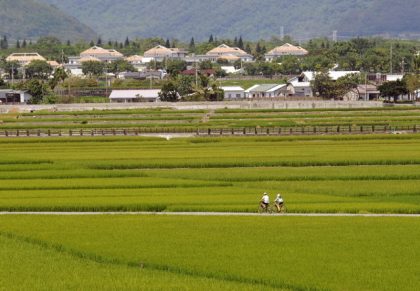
(41, 213)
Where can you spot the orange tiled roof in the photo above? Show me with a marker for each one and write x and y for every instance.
(25, 57)
(225, 49)
(288, 48)
(98, 51)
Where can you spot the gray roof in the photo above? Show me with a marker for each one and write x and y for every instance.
(264, 88)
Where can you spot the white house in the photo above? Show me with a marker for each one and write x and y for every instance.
(233, 92)
(14, 96)
(159, 53)
(266, 91)
(222, 52)
(301, 85)
(128, 96)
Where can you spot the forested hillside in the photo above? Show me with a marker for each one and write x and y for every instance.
(21, 19)
(253, 19)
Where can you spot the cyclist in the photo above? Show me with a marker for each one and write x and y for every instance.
(279, 202)
(265, 201)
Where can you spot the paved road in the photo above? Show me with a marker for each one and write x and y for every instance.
(210, 214)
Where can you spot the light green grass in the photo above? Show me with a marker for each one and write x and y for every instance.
(278, 252)
(314, 174)
(30, 265)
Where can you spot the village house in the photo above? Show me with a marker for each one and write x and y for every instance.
(9, 96)
(130, 96)
(101, 54)
(301, 85)
(285, 50)
(382, 78)
(160, 53)
(222, 52)
(233, 92)
(25, 59)
(96, 54)
(266, 91)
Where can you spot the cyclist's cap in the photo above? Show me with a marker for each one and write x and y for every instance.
(265, 193)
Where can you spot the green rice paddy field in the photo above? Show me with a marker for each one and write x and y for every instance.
(209, 253)
(318, 174)
(352, 174)
(224, 118)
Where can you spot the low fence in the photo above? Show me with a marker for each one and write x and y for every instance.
(246, 131)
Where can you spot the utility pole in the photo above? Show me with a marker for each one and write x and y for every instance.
(403, 66)
(13, 74)
(390, 60)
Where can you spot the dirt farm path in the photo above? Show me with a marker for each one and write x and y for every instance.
(210, 214)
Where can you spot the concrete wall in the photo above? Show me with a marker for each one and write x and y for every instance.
(261, 104)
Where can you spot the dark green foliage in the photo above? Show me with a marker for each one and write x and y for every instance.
(38, 69)
(393, 89)
(93, 68)
(37, 88)
(120, 66)
(169, 92)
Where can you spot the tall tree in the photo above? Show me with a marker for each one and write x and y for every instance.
(211, 39)
(5, 43)
(240, 43)
(99, 41)
(192, 45)
(167, 43)
(127, 42)
(18, 44)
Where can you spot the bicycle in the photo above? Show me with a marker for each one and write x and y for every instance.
(283, 208)
(264, 209)
(271, 208)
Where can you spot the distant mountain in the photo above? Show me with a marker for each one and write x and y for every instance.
(21, 19)
(253, 19)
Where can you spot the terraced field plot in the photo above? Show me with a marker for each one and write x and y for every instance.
(211, 253)
(356, 174)
(178, 120)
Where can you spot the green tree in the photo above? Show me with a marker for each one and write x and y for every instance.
(38, 69)
(192, 45)
(324, 86)
(412, 83)
(240, 43)
(174, 67)
(119, 66)
(11, 68)
(4, 43)
(393, 89)
(184, 85)
(206, 65)
(169, 92)
(93, 68)
(36, 88)
(60, 76)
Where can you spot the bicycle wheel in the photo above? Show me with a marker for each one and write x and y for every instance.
(283, 209)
